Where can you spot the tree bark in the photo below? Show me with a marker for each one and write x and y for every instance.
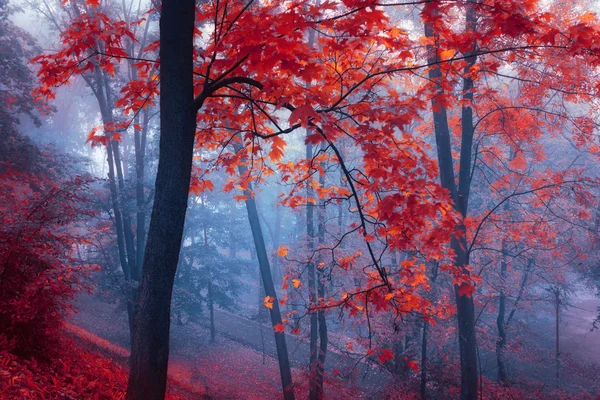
(425, 338)
(557, 355)
(265, 271)
(140, 199)
(460, 195)
(323, 333)
(500, 323)
(424, 361)
(151, 320)
(211, 311)
(312, 290)
(127, 231)
(269, 287)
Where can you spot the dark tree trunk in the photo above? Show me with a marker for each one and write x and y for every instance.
(106, 114)
(557, 355)
(151, 320)
(323, 334)
(129, 246)
(501, 323)
(112, 151)
(424, 360)
(269, 287)
(265, 271)
(312, 289)
(466, 332)
(277, 275)
(117, 212)
(425, 338)
(140, 200)
(460, 195)
(211, 305)
(127, 231)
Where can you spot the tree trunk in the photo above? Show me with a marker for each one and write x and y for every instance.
(267, 279)
(232, 248)
(117, 212)
(323, 334)
(557, 355)
(277, 275)
(151, 320)
(127, 231)
(460, 195)
(424, 361)
(466, 331)
(424, 340)
(211, 311)
(140, 200)
(500, 322)
(312, 289)
(265, 271)
(211, 308)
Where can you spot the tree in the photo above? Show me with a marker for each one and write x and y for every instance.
(253, 80)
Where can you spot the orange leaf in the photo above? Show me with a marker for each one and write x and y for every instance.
(269, 302)
(447, 54)
(277, 146)
(279, 328)
(283, 251)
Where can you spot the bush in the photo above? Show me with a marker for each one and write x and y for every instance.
(42, 219)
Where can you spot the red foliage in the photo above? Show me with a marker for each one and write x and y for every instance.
(41, 218)
(76, 374)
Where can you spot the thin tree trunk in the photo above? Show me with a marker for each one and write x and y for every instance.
(557, 355)
(211, 311)
(105, 112)
(424, 361)
(460, 195)
(500, 322)
(267, 279)
(323, 333)
(211, 308)
(312, 289)
(127, 231)
(232, 249)
(265, 271)
(151, 321)
(277, 275)
(425, 338)
(140, 200)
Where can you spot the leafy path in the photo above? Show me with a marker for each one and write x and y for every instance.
(192, 353)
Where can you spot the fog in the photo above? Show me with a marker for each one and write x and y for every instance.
(386, 201)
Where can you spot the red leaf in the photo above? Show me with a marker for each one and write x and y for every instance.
(385, 355)
(413, 365)
(304, 114)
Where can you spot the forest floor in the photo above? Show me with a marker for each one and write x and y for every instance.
(232, 367)
(241, 363)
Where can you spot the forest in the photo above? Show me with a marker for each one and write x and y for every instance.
(321, 199)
